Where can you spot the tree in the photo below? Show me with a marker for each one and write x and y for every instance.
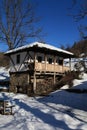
(17, 22)
(80, 15)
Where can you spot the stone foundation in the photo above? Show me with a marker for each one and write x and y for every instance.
(45, 86)
(19, 83)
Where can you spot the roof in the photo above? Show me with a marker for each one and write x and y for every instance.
(41, 46)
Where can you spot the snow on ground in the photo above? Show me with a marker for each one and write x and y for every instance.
(60, 110)
(80, 84)
(4, 73)
(75, 61)
(4, 76)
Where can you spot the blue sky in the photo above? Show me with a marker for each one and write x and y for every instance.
(61, 29)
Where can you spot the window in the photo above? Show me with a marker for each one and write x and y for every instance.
(50, 60)
(18, 59)
(57, 60)
(39, 59)
(60, 61)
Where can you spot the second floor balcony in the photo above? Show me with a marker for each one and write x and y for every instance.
(48, 68)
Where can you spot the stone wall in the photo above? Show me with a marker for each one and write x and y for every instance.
(45, 86)
(19, 83)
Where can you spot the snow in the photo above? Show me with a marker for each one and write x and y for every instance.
(4, 76)
(75, 61)
(40, 45)
(4, 73)
(60, 110)
(81, 84)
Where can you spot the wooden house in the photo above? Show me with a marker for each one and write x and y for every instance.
(35, 68)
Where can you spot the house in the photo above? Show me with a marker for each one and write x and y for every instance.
(36, 67)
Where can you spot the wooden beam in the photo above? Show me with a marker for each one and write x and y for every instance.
(23, 61)
(28, 78)
(34, 82)
(13, 63)
(45, 57)
(62, 66)
(54, 70)
(70, 63)
(48, 73)
(34, 79)
(26, 56)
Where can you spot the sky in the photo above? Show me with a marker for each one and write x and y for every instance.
(59, 27)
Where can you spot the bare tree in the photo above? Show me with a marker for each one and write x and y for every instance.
(81, 10)
(80, 15)
(17, 22)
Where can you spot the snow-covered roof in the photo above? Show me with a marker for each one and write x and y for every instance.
(39, 45)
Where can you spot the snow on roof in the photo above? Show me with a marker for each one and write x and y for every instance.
(40, 45)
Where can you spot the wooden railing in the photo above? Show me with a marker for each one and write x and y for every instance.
(42, 67)
(50, 67)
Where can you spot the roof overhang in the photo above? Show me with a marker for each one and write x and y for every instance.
(41, 47)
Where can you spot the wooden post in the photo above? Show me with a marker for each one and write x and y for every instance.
(34, 82)
(54, 70)
(45, 62)
(29, 78)
(34, 76)
(3, 107)
(62, 66)
(70, 63)
(13, 63)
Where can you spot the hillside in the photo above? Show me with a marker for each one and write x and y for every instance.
(4, 61)
(79, 48)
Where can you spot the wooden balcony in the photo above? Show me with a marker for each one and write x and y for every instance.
(42, 67)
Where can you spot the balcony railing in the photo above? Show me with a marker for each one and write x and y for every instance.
(50, 67)
(41, 67)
